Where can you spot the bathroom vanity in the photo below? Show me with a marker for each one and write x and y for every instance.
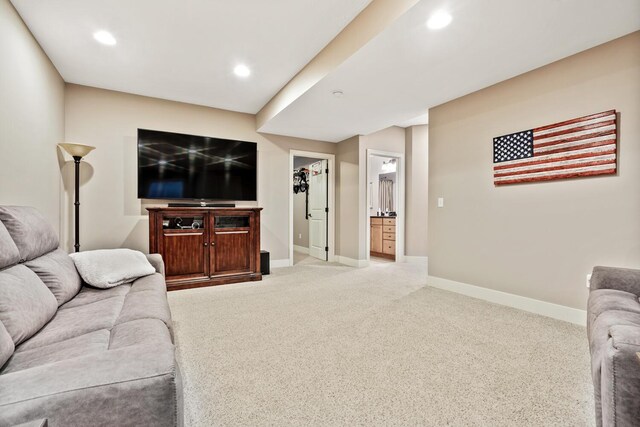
(383, 237)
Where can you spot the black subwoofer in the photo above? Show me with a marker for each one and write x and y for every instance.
(264, 263)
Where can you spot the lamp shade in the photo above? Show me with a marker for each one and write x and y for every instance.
(76, 150)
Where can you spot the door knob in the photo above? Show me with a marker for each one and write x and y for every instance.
(309, 215)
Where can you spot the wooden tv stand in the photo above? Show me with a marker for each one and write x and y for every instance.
(206, 246)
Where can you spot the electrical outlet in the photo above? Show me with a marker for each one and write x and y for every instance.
(588, 280)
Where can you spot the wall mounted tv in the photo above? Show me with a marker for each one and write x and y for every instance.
(178, 166)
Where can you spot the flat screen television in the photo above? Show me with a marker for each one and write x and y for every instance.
(177, 166)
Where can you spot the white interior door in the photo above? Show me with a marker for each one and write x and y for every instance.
(318, 210)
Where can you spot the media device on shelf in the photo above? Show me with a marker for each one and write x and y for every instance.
(174, 166)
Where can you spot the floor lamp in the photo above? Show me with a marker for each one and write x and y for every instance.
(77, 151)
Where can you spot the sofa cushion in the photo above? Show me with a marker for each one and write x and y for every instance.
(29, 230)
(139, 332)
(9, 254)
(90, 343)
(153, 282)
(147, 299)
(73, 322)
(6, 345)
(57, 271)
(26, 304)
(89, 295)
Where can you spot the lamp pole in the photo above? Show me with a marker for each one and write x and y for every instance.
(77, 151)
(76, 203)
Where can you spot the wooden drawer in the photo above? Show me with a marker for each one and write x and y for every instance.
(388, 228)
(376, 221)
(388, 221)
(389, 236)
(389, 247)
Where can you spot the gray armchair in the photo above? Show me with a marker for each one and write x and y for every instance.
(613, 328)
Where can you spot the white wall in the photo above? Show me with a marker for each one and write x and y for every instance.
(113, 215)
(31, 120)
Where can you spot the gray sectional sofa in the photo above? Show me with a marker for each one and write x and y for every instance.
(613, 328)
(76, 355)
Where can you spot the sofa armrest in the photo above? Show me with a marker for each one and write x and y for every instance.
(157, 262)
(622, 279)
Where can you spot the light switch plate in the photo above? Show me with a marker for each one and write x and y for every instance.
(588, 280)
(441, 202)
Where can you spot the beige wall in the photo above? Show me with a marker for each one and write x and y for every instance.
(417, 158)
(536, 240)
(31, 120)
(113, 215)
(347, 198)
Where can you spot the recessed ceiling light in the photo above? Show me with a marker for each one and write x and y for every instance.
(438, 20)
(104, 37)
(338, 93)
(242, 70)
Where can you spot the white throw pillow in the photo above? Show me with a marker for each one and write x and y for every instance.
(107, 268)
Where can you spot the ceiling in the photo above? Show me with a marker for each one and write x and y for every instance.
(186, 51)
(409, 68)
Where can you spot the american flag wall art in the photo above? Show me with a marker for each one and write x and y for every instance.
(585, 146)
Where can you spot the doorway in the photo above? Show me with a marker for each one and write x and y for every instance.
(385, 206)
(311, 213)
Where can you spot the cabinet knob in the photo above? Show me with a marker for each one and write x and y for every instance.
(205, 243)
(213, 243)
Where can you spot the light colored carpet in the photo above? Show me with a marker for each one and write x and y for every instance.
(324, 344)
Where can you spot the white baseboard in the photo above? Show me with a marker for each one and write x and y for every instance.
(301, 249)
(358, 263)
(556, 311)
(279, 263)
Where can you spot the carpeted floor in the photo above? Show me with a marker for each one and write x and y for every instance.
(325, 344)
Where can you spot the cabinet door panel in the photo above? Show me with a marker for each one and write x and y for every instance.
(232, 252)
(376, 238)
(184, 254)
